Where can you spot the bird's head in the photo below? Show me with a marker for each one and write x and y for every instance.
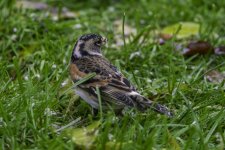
(89, 44)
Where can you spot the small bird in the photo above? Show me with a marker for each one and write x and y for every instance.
(115, 90)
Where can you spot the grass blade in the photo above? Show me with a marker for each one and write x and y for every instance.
(219, 117)
(89, 76)
(99, 101)
(124, 41)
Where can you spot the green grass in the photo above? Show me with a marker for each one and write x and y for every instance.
(35, 53)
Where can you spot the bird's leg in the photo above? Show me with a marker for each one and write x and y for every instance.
(94, 112)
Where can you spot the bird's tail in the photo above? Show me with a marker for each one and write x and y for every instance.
(143, 104)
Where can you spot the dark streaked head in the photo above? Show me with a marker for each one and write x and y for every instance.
(89, 44)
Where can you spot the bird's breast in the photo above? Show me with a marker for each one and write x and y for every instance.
(75, 73)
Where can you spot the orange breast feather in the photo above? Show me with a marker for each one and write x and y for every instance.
(75, 73)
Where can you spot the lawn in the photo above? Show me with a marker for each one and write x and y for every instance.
(39, 109)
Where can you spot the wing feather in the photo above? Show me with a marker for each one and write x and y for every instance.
(115, 89)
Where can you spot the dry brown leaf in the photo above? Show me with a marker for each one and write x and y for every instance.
(53, 11)
(199, 47)
(65, 14)
(31, 5)
(215, 76)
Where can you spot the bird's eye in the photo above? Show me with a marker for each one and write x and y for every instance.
(98, 43)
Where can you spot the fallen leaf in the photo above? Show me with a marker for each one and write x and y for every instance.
(31, 5)
(219, 50)
(64, 14)
(53, 11)
(85, 136)
(199, 47)
(181, 29)
(215, 76)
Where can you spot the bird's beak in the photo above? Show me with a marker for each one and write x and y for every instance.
(103, 40)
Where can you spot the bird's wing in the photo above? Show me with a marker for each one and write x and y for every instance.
(114, 87)
(106, 73)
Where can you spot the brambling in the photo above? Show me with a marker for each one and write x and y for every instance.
(115, 90)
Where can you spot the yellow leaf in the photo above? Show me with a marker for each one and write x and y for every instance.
(181, 29)
(85, 136)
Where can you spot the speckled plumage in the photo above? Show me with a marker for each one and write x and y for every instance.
(116, 91)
